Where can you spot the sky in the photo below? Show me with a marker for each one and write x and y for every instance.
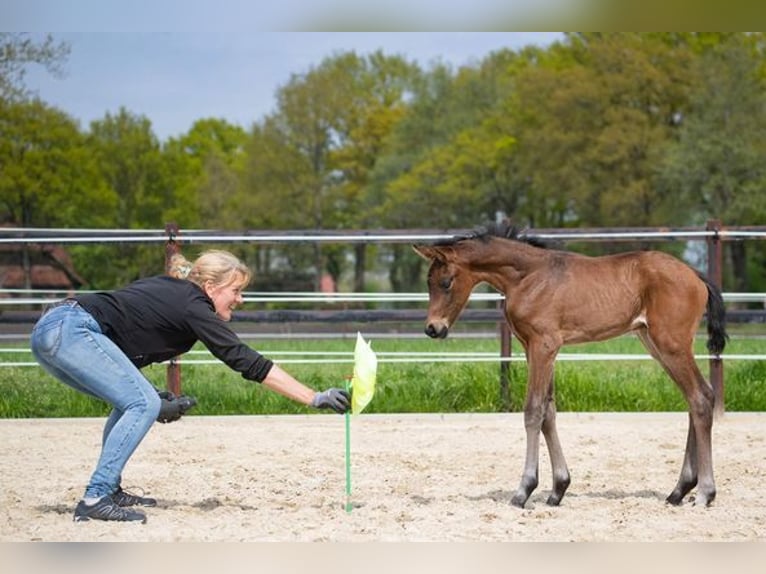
(176, 78)
(291, 15)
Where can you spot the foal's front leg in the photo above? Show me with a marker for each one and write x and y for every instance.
(540, 361)
(533, 418)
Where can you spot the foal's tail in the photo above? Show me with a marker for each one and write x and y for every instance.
(716, 318)
(716, 331)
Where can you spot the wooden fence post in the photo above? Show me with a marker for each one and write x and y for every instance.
(715, 274)
(172, 246)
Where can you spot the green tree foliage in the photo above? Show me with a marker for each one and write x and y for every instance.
(403, 200)
(128, 157)
(371, 94)
(324, 140)
(716, 168)
(592, 122)
(274, 179)
(718, 162)
(376, 87)
(204, 167)
(599, 130)
(48, 177)
(446, 163)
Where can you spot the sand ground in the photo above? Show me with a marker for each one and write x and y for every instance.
(439, 478)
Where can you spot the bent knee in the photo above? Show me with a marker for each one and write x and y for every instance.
(148, 403)
(153, 405)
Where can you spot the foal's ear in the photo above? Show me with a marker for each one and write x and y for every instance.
(428, 252)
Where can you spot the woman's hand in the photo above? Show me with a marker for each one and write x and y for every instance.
(336, 399)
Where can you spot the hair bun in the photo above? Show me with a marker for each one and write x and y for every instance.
(179, 266)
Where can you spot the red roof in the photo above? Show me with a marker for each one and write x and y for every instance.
(50, 268)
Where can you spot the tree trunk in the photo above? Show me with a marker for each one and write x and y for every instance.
(739, 266)
(405, 270)
(360, 263)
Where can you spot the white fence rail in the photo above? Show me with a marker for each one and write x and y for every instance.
(29, 235)
(322, 357)
(26, 297)
(23, 236)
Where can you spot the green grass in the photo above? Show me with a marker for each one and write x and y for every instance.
(583, 386)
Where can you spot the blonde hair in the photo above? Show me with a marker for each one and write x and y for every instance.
(218, 267)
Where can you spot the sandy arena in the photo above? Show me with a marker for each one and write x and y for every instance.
(440, 478)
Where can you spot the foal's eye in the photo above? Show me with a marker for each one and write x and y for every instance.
(446, 283)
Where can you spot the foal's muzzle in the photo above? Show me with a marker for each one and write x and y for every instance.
(436, 332)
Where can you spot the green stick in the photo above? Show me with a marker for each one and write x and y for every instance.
(348, 456)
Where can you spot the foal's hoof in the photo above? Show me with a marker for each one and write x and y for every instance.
(702, 501)
(675, 498)
(559, 489)
(518, 501)
(553, 500)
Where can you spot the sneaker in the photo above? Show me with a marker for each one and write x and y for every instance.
(106, 509)
(122, 498)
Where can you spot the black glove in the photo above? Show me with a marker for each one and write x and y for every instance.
(172, 407)
(336, 399)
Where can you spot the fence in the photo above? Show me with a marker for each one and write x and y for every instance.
(713, 234)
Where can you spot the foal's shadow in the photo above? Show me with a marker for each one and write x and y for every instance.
(206, 505)
(504, 496)
(613, 494)
(499, 496)
(55, 508)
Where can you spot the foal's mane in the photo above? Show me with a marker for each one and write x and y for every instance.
(503, 230)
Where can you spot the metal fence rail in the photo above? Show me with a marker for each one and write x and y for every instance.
(713, 234)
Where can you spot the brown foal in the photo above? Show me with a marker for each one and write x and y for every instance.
(555, 298)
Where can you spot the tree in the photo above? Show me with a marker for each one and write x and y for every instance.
(204, 167)
(331, 124)
(445, 163)
(377, 87)
(272, 195)
(47, 174)
(19, 50)
(592, 122)
(717, 165)
(128, 157)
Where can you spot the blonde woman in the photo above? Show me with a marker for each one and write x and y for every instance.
(97, 343)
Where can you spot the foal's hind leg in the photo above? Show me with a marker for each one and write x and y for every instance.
(697, 468)
(688, 478)
(559, 468)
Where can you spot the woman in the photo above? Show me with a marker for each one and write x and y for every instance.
(96, 343)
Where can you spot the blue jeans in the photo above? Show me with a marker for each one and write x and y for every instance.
(68, 343)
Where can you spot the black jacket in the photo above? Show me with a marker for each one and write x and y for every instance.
(155, 319)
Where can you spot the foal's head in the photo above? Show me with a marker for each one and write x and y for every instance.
(449, 287)
(450, 278)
